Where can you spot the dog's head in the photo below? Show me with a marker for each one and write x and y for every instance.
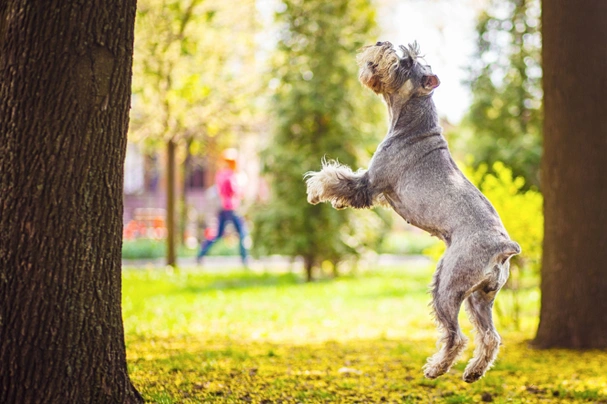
(385, 72)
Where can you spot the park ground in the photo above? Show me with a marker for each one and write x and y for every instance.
(225, 335)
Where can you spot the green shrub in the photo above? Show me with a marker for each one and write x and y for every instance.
(143, 248)
(406, 242)
(521, 211)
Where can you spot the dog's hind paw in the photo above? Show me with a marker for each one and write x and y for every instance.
(471, 376)
(432, 371)
(475, 370)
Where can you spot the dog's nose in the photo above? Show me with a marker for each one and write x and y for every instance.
(379, 43)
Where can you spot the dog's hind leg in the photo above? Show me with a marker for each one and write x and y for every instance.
(487, 340)
(479, 306)
(341, 186)
(448, 293)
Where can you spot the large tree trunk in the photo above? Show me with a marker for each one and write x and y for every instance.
(574, 179)
(65, 85)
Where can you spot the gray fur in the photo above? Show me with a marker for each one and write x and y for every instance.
(413, 172)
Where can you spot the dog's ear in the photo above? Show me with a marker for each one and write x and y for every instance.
(430, 82)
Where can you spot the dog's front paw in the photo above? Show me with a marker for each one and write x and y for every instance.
(313, 199)
(314, 187)
(338, 205)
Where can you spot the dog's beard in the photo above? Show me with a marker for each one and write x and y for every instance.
(378, 67)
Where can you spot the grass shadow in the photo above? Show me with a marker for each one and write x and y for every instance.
(378, 370)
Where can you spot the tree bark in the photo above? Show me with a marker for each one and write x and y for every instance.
(65, 85)
(171, 181)
(574, 180)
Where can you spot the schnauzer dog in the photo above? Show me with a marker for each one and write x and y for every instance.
(413, 172)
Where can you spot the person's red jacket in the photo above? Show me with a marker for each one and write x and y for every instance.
(227, 187)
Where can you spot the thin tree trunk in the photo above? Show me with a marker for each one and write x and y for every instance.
(171, 182)
(309, 267)
(65, 85)
(184, 209)
(574, 180)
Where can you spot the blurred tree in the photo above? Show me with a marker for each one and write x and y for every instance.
(65, 90)
(320, 110)
(504, 122)
(193, 81)
(574, 268)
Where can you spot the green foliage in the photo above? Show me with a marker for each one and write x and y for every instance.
(234, 337)
(505, 119)
(520, 211)
(144, 248)
(406, 242)
(193, 71)
(320, 110)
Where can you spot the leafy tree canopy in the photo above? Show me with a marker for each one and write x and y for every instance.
(320, 109)
(194, 69)
(505, 120)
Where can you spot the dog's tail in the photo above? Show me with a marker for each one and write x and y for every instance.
(499, 268)
(339, 185)
(507, 250)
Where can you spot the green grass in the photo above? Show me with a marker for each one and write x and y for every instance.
(238, 337)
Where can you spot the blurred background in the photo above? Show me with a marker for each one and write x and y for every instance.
(277, 81)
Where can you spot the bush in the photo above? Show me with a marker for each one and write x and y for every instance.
(521, 211)
(407, 243)
(143, 248)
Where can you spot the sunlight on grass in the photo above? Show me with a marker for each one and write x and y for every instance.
(277, 308)
(268, 337)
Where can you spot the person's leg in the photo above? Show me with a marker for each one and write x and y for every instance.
(242, 233)
(223, 218)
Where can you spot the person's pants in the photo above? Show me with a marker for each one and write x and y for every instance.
(226, 216)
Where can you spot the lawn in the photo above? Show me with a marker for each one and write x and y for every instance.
(236, 337)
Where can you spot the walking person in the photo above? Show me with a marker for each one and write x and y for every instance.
(230, 193)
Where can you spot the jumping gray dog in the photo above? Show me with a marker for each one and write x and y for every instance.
(412, 171)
